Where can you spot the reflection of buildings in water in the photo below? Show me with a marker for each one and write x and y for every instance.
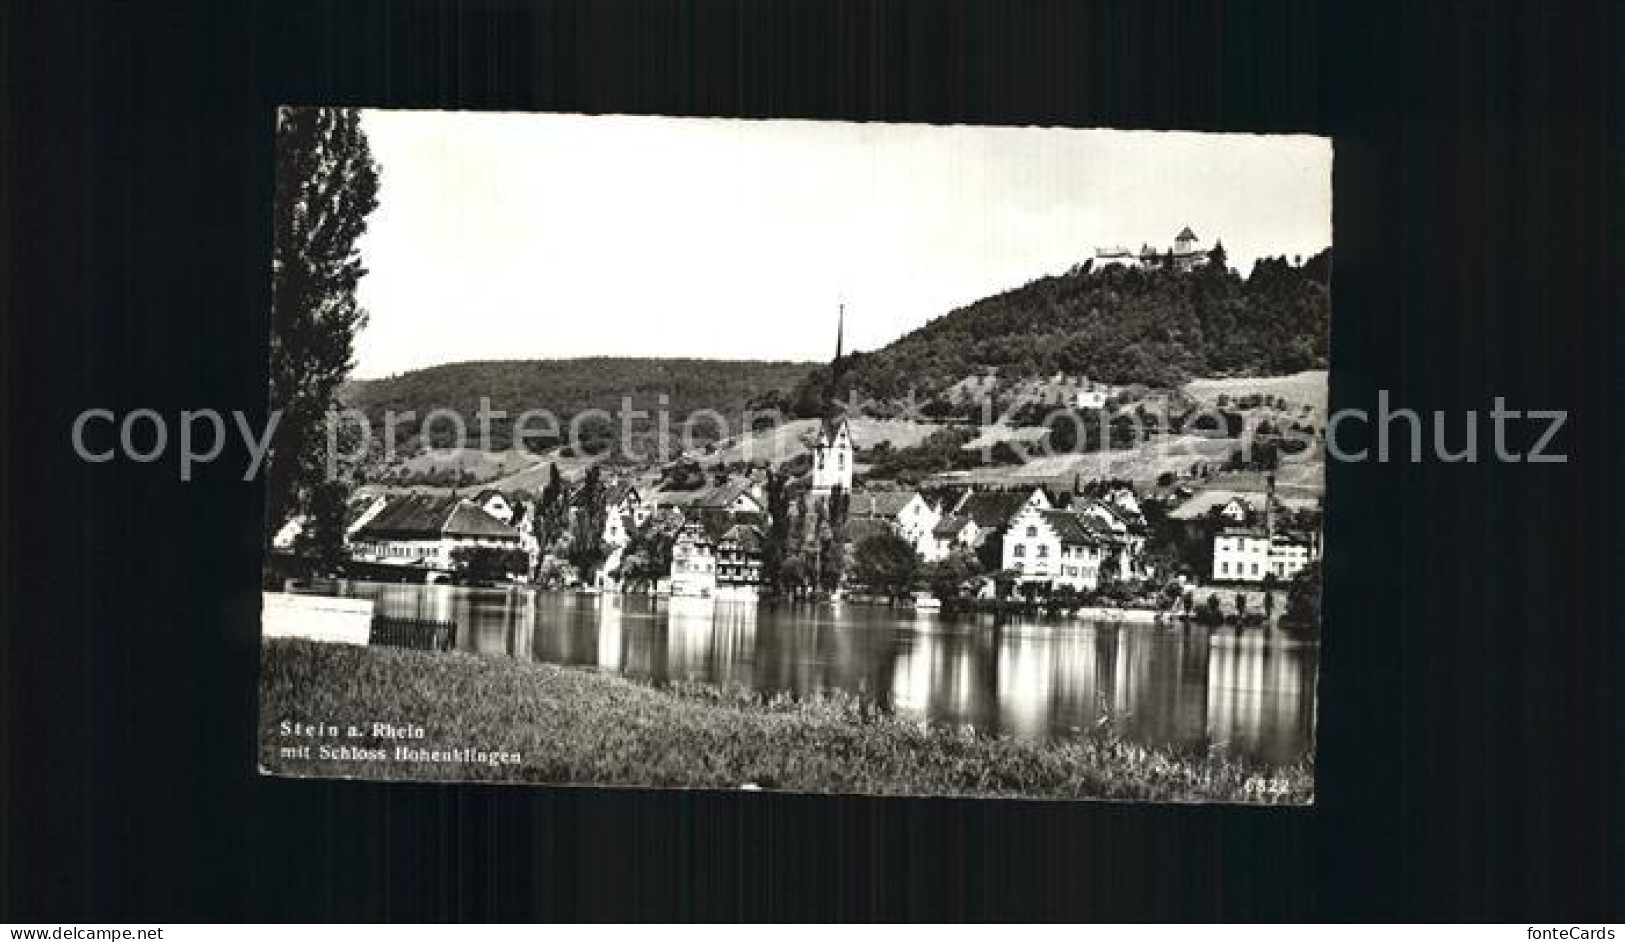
(611, 642)
(423, 602)
(1159, 693)
(786, 651)
(945, 677)
(1261, 697)
(1047, 680)
(564, 630)
(487, 617)
(521, 625)
(710, 640)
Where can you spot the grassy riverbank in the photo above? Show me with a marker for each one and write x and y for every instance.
(569, 725)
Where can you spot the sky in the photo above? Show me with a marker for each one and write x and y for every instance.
(535, 236)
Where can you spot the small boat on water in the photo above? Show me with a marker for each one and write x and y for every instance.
(926, 602)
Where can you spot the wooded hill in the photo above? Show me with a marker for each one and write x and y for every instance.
(566, 388)
(1117, 325)
(1114, 325)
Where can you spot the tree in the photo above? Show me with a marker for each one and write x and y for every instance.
(1270, 582)
(1218, 262)
(647, 558)
(322, 538)
(775, 548)
(326, 186)
(487, 563)
(886, 563)
(586, 551)
(948, 577)
(551, 517)
(1241, 604)
(1303, 597)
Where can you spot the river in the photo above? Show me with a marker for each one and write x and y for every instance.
(1250, 692)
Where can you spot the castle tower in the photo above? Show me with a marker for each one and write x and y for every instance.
(1185, 242)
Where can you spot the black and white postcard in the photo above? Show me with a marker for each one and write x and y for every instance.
(820, 457)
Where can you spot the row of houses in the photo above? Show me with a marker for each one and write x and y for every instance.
(1017, 531)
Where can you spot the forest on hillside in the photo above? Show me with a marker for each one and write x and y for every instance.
(567, 388)
(1115, 325)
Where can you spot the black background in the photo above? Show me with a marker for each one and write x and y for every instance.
(1470, 722)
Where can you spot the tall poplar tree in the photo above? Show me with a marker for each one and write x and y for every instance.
(326, 186)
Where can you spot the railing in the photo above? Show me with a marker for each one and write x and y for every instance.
(416, 633)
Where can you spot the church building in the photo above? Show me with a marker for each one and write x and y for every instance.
(832, 457)
(832, 454)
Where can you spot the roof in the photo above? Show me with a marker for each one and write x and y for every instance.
(1068, 526)
(619, 492)
(828, 428)
(950, 527)
(1184, 234)
(1129, 521)
(359, 506)
(867, 503)
(433, 516)
(468, 519)
(487, 494)
(992, 509)
(747, 536)
(725, 494)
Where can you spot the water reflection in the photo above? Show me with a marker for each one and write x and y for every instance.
(1251, 693)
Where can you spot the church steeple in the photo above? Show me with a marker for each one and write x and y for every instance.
(834, 391)
(833, 452)
(840, 331)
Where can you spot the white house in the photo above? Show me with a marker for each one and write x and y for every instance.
(1053, 548)
(951, 533)
(1249, 554)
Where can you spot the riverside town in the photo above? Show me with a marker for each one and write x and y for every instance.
(1039, 518)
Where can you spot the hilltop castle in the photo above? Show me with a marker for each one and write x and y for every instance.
(1183, 256)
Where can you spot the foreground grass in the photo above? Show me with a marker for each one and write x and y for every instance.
(580, 726)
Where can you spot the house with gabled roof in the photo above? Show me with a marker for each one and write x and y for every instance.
(424, 530)
(739, 560)
(694, 562)
(951, 533)
(992, 511)
(908, 512)
(1054, 548)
